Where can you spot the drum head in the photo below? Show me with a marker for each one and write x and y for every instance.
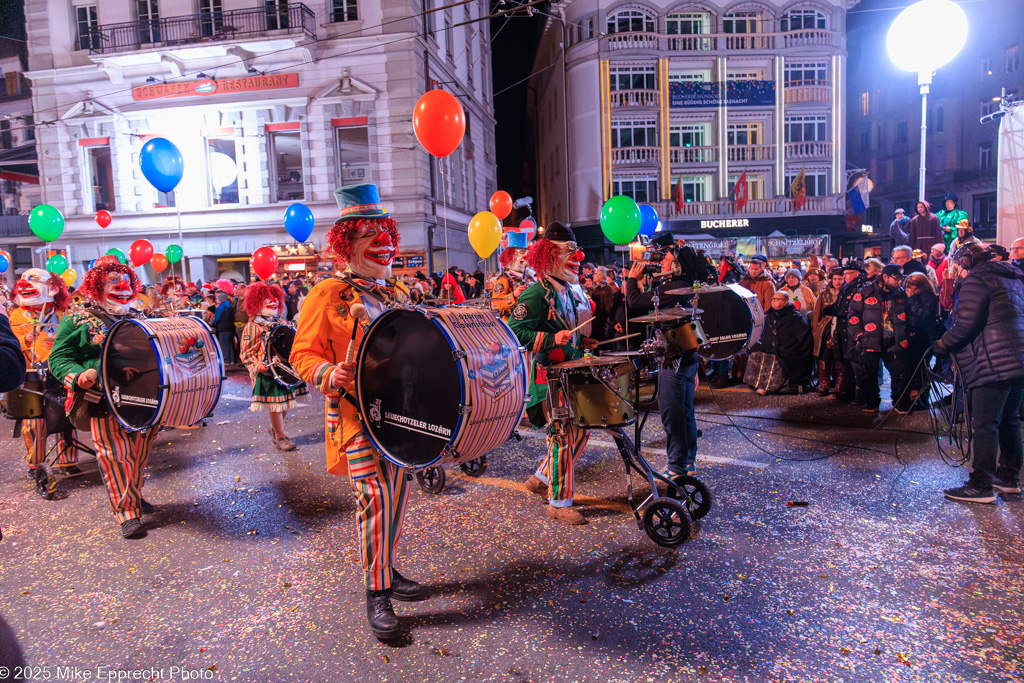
(131, 374)
(731, 319)
(279, 349)
(410, 388)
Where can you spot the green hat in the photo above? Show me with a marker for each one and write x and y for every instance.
(360, 201)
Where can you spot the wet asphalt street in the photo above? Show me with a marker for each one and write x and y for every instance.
(250, 572)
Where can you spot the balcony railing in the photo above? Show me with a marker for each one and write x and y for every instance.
(692, 43)
(724, 208)
(812, 37)
(633, 40)
(205, 27)
(636, 155)
(14, 226)
(647, 99)
(815, 149)
(819, 91)
(749, 41)
(693, 155)
(751, 152)
(704, 42)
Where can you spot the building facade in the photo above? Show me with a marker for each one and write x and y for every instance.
(885, 115)
(270, 103)
(672, 102)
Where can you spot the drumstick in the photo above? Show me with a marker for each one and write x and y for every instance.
(358, 311)
(627, 336)
(585, 322)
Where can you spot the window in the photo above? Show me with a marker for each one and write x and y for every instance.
(689, 23)
(901, 132)
(344, 10)
(634, 134)
(148, 15)
(900, 168)
(353, 155)
(687, 135)
(748, 133)
(986, 67)
(632, 78)
(690, 77)
(865, 103)
(628, 21)
(938, 123)
(211, 17)
(864, 139)
(755, 184)
(695, 188)
(99, 178)
(88, 25)
(816, 183)
(1012, 59)
(742, 22)
(448, 38)
(222, 170)
(6, 139)
(802, 19)
(989, 106)
(30, 128)
(810, 127)
(745, 75)
(984, 210)
(286, 169)
(985, 156)
(640, 188)
(806, 73)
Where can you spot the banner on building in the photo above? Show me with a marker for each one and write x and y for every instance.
(1010, 178)
(796, 245)
(684, 94)
(209, 86)
(713, 248)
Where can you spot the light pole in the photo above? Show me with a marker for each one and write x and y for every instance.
(925, 36)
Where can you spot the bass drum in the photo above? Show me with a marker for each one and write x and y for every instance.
(439, 384)
(161, 372)
(28, 401)
(277, 350)
(731, 318)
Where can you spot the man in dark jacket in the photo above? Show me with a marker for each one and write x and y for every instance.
(924, 228)
(12, 359)
(986, 338)
(842, 344)
(878, 327)
(1017, 253)
(603, 296)
(898, 229)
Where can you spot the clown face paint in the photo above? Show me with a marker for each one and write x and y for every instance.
(118, 294)
(518, 263)
(33, 290)
(568, 260)
(372, 253)
(270, 308)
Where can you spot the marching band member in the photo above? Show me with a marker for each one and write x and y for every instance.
(541, 320)
(112, 287)
(512, 281)
(263, 303)
(42, 301)
(366, 237)
(173, 293)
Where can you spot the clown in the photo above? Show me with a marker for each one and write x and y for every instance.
(112, 288)
(365, 237)
(949, 218)
(42, 300)
(172, 291)
(513, 280)
(265, 303)
(541, 320)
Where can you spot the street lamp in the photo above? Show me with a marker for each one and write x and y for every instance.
(925, 36)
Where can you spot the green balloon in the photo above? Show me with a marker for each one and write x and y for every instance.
(56, 264)
(620, 219)
(46, 222)
(173, 253)
(119, 254)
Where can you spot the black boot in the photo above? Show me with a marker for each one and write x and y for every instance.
(132, 528)
(147, 507)
(381, 614)
(405, 590)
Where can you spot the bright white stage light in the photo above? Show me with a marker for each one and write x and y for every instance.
(927, 35)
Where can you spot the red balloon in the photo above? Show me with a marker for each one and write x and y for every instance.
(103, 218)
(140, 252)
(264, 262)
(439, 122)
(501, 204)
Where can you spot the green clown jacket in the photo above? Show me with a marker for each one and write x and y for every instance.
(948, 220)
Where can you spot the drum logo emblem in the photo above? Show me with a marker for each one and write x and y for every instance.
(190, 356)
(115, 396)
(495, 374)
(375, 412)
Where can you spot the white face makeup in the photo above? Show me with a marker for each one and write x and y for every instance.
(270, 308)
(518, 264)
(33, 289)
(372, 253)
(118, 294)
(568, 260)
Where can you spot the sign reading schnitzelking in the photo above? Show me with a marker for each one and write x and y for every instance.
(208, 86)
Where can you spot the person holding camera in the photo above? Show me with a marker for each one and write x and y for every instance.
(986, 338)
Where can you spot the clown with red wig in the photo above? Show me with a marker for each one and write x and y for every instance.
(541, 319)
(513, 280)
(366, 238)
(42, 300)
(111, 288)
(265, 303)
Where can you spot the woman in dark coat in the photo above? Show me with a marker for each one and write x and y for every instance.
(923, 328)
(788, 336)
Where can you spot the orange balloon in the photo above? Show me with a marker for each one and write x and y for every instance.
(159, 262)
(439, 122)
(501, 204)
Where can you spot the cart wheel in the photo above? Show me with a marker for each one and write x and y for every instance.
(46, 482)
(697, 498)
(431, 479)
(475, 467)
(667, 522)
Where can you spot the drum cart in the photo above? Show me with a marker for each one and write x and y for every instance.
(432, 479)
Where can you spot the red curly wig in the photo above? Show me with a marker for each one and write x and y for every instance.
(61, 299)
(257, 293)
(541, 256)
(345, 230)
(170, 283)
(507, 256)
(92, 286)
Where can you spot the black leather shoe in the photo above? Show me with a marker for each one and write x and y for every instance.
(405, 590)
(381, 615)
(147, 507)
(132, 528)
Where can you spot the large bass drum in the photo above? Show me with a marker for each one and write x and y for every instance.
(161, 372)
(277, 350)
(731, 318)
(439, 384)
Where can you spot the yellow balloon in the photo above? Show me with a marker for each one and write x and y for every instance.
(485, 233)
(69, 276)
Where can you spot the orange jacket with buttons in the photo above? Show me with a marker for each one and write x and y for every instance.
(23, 321)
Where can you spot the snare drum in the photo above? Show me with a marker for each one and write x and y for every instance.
(598, 391)
(27, 402)
(161, 372)
(731, 318)
(439, 384)
(277, 349)
(684, 338)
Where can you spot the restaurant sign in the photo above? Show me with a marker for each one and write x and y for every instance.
(796, 245)
(208, 86)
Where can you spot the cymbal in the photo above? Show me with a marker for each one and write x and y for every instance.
(664, 315)
(681, 291)
(619, 354)
(587, 362)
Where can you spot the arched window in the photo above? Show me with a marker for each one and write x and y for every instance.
(631, 21)
(802, 19)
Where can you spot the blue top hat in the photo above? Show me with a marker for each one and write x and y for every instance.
(517, 240)
(360, 201)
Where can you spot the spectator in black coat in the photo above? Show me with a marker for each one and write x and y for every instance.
(12, 359)
(854, 278)
(923, 328)
(986, 338)
(788, 336)
(924, 228)
(878, 326)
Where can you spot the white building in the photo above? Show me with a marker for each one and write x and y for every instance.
(270, 103)
(662, 94)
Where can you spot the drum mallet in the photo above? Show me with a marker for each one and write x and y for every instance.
(358, 311)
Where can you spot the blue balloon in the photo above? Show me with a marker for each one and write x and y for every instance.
(162, 164)
(298, 221)
(648, 220)
(4, 264)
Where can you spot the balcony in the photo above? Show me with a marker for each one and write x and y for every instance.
(816, 91)
(815, 149)
(751, 152)
(812, 37)
(14, 226)
(723, 208)
(646, 99)
(692, 43)
(628, 156)
(205, 27)
(633, 40)
(693, 155)
(749, 41)
(707, 42)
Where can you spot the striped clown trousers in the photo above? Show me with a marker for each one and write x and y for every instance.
(122, 459)
(564, 449)
(382, 493)
(34, 434)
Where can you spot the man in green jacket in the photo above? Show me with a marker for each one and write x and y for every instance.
(949, 219)
(542, 319)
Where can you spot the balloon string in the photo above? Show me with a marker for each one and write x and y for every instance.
(180, 236)
(444, 203)
(625, 304)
